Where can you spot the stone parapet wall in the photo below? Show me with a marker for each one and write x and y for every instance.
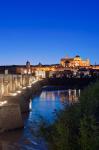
(10, 117)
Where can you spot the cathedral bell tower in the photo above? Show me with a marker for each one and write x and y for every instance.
(28, 67)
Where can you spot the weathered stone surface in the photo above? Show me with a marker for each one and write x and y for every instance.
(10, 117)
(10, 114)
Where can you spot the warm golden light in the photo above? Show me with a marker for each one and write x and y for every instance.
(29, 86)
(3, 103)
(24, 88)
(13, 94)
(19, 92)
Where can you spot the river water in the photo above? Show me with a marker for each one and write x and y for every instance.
(42, 106)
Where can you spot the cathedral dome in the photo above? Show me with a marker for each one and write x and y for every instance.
(77, 56)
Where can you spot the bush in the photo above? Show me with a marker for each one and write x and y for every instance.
(76, 127)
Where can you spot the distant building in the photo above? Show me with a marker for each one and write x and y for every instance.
(68, 67)
(39, 74)
(77, 61)
(96, 67)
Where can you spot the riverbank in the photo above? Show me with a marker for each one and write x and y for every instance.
(77, 126)
(70, 83)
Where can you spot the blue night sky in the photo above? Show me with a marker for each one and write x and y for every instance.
(46, 30)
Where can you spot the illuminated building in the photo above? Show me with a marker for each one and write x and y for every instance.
(77, 61)
(68, 67)
(96, 67)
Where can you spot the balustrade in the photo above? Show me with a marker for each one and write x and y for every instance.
(12, 83)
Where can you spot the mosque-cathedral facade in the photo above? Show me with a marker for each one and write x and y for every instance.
(77, 61)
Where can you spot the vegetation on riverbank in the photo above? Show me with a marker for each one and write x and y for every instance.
(77, 127)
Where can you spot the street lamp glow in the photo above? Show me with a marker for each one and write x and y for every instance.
(13, 94)
(3, 103)
(29, 86)
(24, 88)
(18, 92)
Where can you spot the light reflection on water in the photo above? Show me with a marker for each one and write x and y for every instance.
(43, 106)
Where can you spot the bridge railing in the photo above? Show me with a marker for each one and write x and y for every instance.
(12, 83)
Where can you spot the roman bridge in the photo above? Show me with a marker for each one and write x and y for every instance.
(15, 93)
(11, 84)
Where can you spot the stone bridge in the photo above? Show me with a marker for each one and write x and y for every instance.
(15, 92)
(13, 83)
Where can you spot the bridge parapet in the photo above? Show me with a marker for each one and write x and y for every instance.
(12, 83)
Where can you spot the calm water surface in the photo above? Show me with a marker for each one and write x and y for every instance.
(42, 106)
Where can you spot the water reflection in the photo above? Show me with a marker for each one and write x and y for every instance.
(42, 106)
(70, 95)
